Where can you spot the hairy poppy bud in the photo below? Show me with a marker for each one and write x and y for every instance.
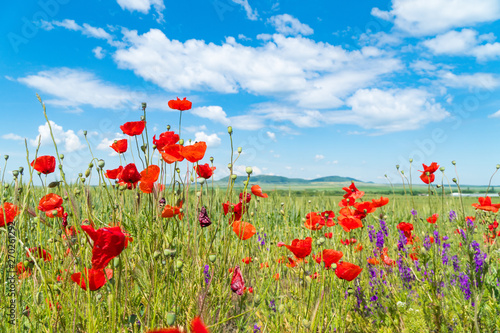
(453, 162)
(179, 264)
(249, 170)
(230, 130)
(240, 150)
(156, 254)
(144, 105)
(498, 166)
(168, 127)
(201, 180)
(82, 180)
(454, 180)
(170, 318)
(61, 156)
(229, 165)
(87, 172)
(441, 169)
(212, 257)
(211, 159)
(181, 142)
(397, 166)
(411, 160)
(85, 132)
(101, 164)
(6, 157)
(15, 173)
(402, 172)
(21, 169)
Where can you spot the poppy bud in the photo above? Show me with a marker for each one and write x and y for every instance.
(230, 130)
(334, 266)
(156, 254)
(170, 318)
(438, 185)
(249, 170)
(211, 159)
(229, 165)
(453, 162)
(181, 142)
(402, 172)
(143, 104)
(252, 214)
(87, 172)
(441, 169)
(179, 264)
(143, 148)
(498, 166)
(233, 177)
(212, 257)
(21, 169)
(411, 160)
(101, 164)
(154, 147)
(178, 170)
(6, 185)
(201, 180)
(82, 180)
(15, 173)
(85, 132)
(454, 180)
(6, 157)
(143, 118)
(245, 183)
(397, 166)
(306, 323)
(240, 150)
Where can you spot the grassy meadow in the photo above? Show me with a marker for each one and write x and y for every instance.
(150, 259)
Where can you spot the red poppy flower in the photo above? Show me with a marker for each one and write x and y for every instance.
(314, 221)
(414, 256)
(428, 173)
(236, 210)
(95, 278)
(331, 256)
(197, 326)
(386, 259)
(328, 216)
(171, 211)
(44, 164)
(50, 202)
(8, 212)
(358, 248)
(166, 139)
(133, 128)
(194, 152)
(237, 282)
(108, 243)
(120, 146)
(353, 192)
(204, 170)
(432, 219)
(301, 248)
(22, 272)
(406, 228)
(328, 234)
(181, 105)
(380, 202)
(257, 191)
(148, 177)
(347, 271)
(129, 176)
(38, 252)
(172, 153)
(372, 261)
(114, 173)
(243, 230)
(486, 205)
(247, 260)
(348, 221)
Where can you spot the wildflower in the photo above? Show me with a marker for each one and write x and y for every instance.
(170, 211)
(256, 328)
(406, 228)
(371, 233)
(108, 243)
(276, 276)
(178, 104)
(331, 256)
(148, 177)
(486, 205)
(301, 248)
(95, 278)
(172, 153)
(243, 230)
(428, 173)
(353, 192)
(203, 218)
(272, 305)
(257, 191)
(51, 202)
(383, 227)
(432, 219)
(348, 221)
(114, 173)
(129, 176)
(133, 128)
(347, 271)
(204, 170)
(206, 273)
(38, 252)
(45, 164)
(194, 152)
(237, 282)
(456, 263)
(313, 221)
(380, 202)
(328, 234)
(444, 256)
(165, 139)
(8, 211)
(465, 285)
(479, 257)
(380, 239)
(453, 216)
(372, 261)
(247, 260)
(120, 146)
(197, 326)
(414, 213)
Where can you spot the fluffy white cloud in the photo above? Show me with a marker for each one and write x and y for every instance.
(12, 136)
(495, 115)
(251, 13)
(98, 52)
(214, 113)
(319, 157)
(67, 138)
(212, 140)
(288, 25)
(271, 135)
(143, 6)
(427, 17)
(479, 80)
(73, 88)
(86, 29)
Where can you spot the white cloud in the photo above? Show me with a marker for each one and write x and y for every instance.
(271, 135)
(68, 138)
(319, 157)
(12, 136)
(73, 88)
(214, 113)
(251, 14)
(487, 51)
(288, 25)
(243, 37)
(143, 6)
(86, 29)
(212, 140)
(479, 80)
(67, 24)
(495, 115)
(428, 17)
(98, 52)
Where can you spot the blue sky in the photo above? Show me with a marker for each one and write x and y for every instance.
(311, 89)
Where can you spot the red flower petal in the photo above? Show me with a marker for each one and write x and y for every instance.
(347, 271)
(44, 164)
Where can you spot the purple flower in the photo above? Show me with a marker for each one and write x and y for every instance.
(402, 241)
(437, 239)
(272, 305)
(479, 257)
(427, 243)
(444, 258)
(371, 232)
(383, 227)
(453, 216)
(256, 328)
(380, 239)
(463, 279)
(414, 213)
(207, 274)
(456, 263)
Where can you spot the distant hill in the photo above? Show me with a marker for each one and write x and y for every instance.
(280, 180)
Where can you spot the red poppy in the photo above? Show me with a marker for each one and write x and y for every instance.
(50, 202)
(414, 256)
(328, 216)
(166, 139)
(264, 265)
(406, 228)
(204, 170)
(171, 211)
(95, 278)
(328, 234)
(44, 164)
(291, 263)
(172, 153)
(237, 282)
(432, 219)
(243, 230)
(386, 259)
(197, 326)
(38, 252)
(331, 256)
(148, 177)
(8, 211)
(247, 260)
(114, 173)
(108, 243)
(194, 152)
(380, 202)
(120, 146)
(428, 173)
(313, 221)
(133, 128)
(22, 272)
(301, 248)
(348, 221)
(353, 192)
(372, 261)
(129, 176)
(347, 271)
(181, 105)
(257, 191)
(236, 210)
(486, 205)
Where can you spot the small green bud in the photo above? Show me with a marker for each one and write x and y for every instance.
(179, 264)
(402, 172)
(240, 150)
(170, 318)
(230, 130)
(229, 165)
(211, 159)
(144, 105)
(454, 180)
(6, 185)
(15, 173)
(82, 180)
(441, 169)
(233, 177)
(191, 179)
(212, 257)
(154, 147)
(168, 127)
(454, 162)
(397, 166)
(156, 254)
(87, 173)
(411, 160)
(101, 164)
(181, 142)
(143, 118)
(6, 157)
(61, 156)
(334, 267)
(91, 165)
(498, 166)
(21, 169)
(55, 212)
(201, 180)
(249, 170)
